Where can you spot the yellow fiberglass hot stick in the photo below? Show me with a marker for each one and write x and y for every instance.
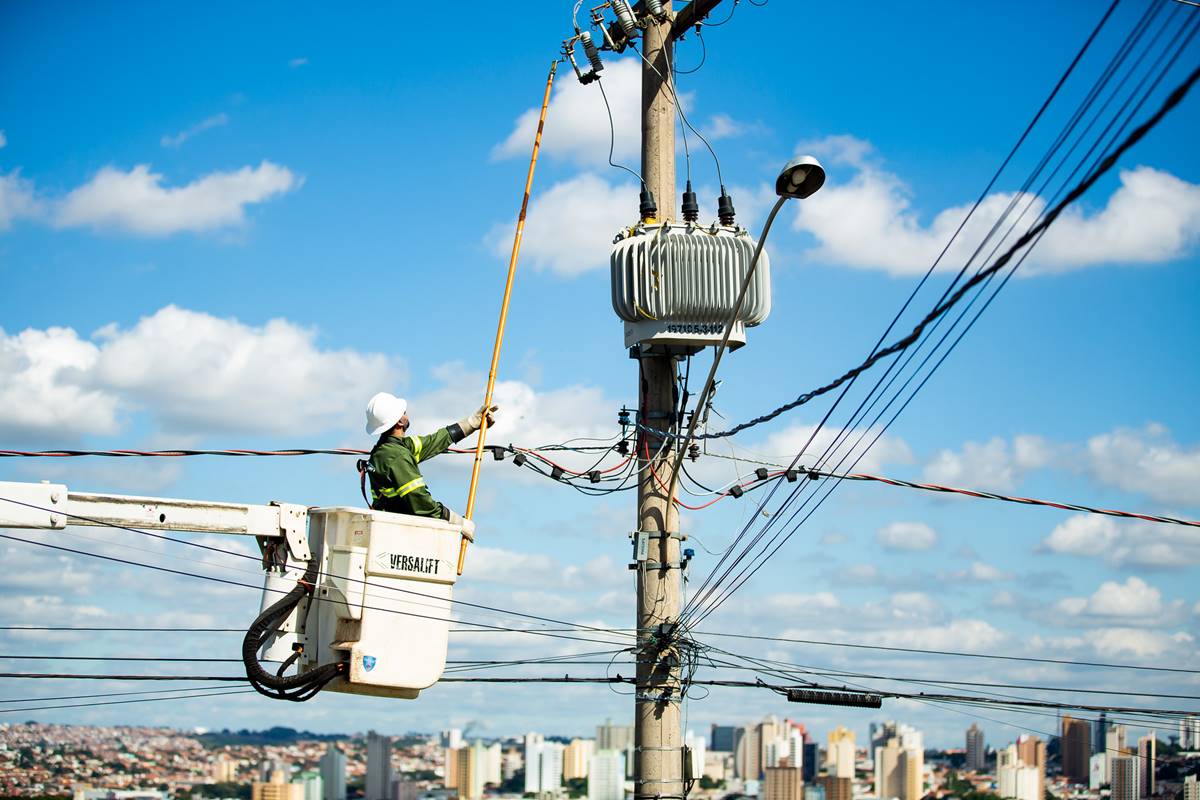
(512, 268)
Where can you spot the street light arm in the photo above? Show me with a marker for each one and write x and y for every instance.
(702, 399)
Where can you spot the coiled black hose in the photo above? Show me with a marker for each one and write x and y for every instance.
(296, 688)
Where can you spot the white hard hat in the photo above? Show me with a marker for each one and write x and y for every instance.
(384, 411)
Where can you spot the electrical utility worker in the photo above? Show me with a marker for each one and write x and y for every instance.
(394, 464)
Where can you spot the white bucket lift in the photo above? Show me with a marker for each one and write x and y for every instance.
(675, 284)
(377, 620)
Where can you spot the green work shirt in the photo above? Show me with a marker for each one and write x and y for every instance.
(396, 482)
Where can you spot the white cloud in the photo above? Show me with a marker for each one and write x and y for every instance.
(215, 121)
(981, 571)
(296, 63)
(723, 126)
(577, 124)
(570, 226)
(17, 199)
(45, 391)
(137, 202)
(906, 536)
(1082, 535)
(1146, 461)
(1132, 599)
(990, 465)
(1124, 544)
(1140, 643)
(192, 372)
(197, 372)
(869, 222)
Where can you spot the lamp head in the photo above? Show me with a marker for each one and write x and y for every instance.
(801, 178)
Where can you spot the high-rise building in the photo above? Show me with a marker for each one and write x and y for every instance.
(900, 764)
(1191, 788)
(577, 758)
(606, 778)
(277, 790)
(450, 739)
(837, 788)
(1114, 746)
(450, 770)
(1097, 777)
(724, 738)
(1099, 730)
(839, 753)
(312, 783)
(470, 762)
(405, 790)
(976, 749)
(1021, 769)
(533, 761)
(613, 737)
(1147, 761)
(747, 759)
(1124, 778)
(379, 767)
(333, 773)
(493, 764)
(511, 762)
(1076, 749)
(768, 731)
(224, 769)
(1189, 733)
(811, 761)
(783, 783)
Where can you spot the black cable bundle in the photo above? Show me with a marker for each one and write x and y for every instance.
(296, 688)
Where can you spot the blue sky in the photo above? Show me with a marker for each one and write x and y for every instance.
(229, 227)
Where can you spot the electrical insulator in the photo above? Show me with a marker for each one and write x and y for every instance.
(736, 491)
(725, 211)
(691, 208)
(556, 473)
(625, 17)
(694, 451)
(761, 473)
(623, 417)
(593, 55)
(594, 476)
(519, 459)
(498, 453)
(813, 475)
(647, 208)
(791, 475)
(623, 447)
(655, 7)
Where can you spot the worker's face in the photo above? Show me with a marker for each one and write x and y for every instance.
(402, 425)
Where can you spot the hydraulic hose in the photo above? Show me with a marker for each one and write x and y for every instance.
(296, 688)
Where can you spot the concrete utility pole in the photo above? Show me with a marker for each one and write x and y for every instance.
(658, 740)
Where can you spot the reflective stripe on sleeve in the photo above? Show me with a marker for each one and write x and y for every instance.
(400, 491)
(417, 444)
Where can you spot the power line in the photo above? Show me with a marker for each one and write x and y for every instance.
(955, 653)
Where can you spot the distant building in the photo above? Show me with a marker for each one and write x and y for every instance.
(976, 749)
(1189, 733)
(617, 737)
(839, 753)
(277, 791)
(1021, 769)
(1097, 776)
(814, 791)
(747, 759)
(533, 755)
(1076, 749)
(468, 771)
(697, 752)
(812, 761)
(543, 764)
(724, 738)
(312, 783)
(379, 767)
(1191, 788)
(88, 793)
(1147, 760)
(606, 775)
(577, 758)
(1124, 778)
(405, 790)
(451, 739)
(333, 773)
(783, 783)
(224, 769)
(837, 788)
(1099, 730)
(900, 765)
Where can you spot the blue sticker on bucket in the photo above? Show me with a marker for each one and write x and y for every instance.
(368, 663)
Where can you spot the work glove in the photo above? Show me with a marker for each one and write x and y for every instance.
(475, 421)
(465, 525)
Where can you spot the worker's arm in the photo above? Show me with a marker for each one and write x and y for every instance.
(432, 444)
